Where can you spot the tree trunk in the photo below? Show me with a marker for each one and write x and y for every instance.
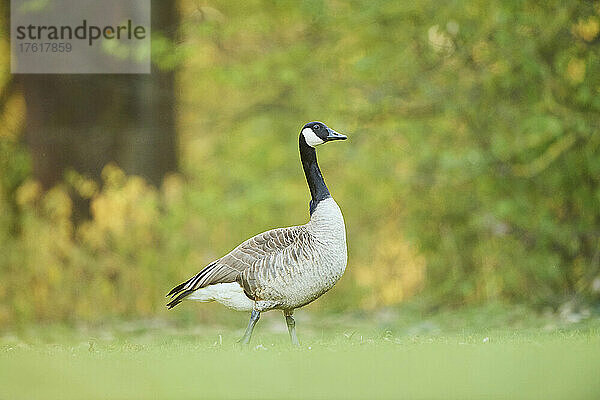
(85, 121)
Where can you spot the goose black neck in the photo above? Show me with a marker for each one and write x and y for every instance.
(314, 178)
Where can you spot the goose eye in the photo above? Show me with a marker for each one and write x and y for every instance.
(317, 127)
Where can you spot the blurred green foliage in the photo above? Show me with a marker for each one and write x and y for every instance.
(471, 174)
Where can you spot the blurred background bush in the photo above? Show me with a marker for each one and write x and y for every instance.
(472, 173)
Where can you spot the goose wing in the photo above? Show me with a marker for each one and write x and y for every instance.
(230, 267)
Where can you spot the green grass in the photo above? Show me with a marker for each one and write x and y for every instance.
(482, 354)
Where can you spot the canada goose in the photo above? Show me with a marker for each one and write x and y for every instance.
(284, 268)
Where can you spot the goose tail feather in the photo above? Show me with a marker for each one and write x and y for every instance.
(179, 298)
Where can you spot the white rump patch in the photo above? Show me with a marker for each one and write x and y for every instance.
(311, 138)
(229, 294)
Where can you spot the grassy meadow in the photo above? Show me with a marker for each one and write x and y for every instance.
(481, 353)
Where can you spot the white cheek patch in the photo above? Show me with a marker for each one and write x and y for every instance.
(311, 139)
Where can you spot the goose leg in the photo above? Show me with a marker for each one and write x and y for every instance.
(291, 324)
(253, 320)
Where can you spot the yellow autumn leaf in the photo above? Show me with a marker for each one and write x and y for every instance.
(576, 71)
(587, 29)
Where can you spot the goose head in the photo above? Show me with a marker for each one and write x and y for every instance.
(316, 133)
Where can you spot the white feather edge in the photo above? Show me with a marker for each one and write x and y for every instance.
(311, 138)
(229, 294)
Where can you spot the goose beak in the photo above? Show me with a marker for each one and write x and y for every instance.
(333, 135)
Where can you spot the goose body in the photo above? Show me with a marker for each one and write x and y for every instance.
(284, 268)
